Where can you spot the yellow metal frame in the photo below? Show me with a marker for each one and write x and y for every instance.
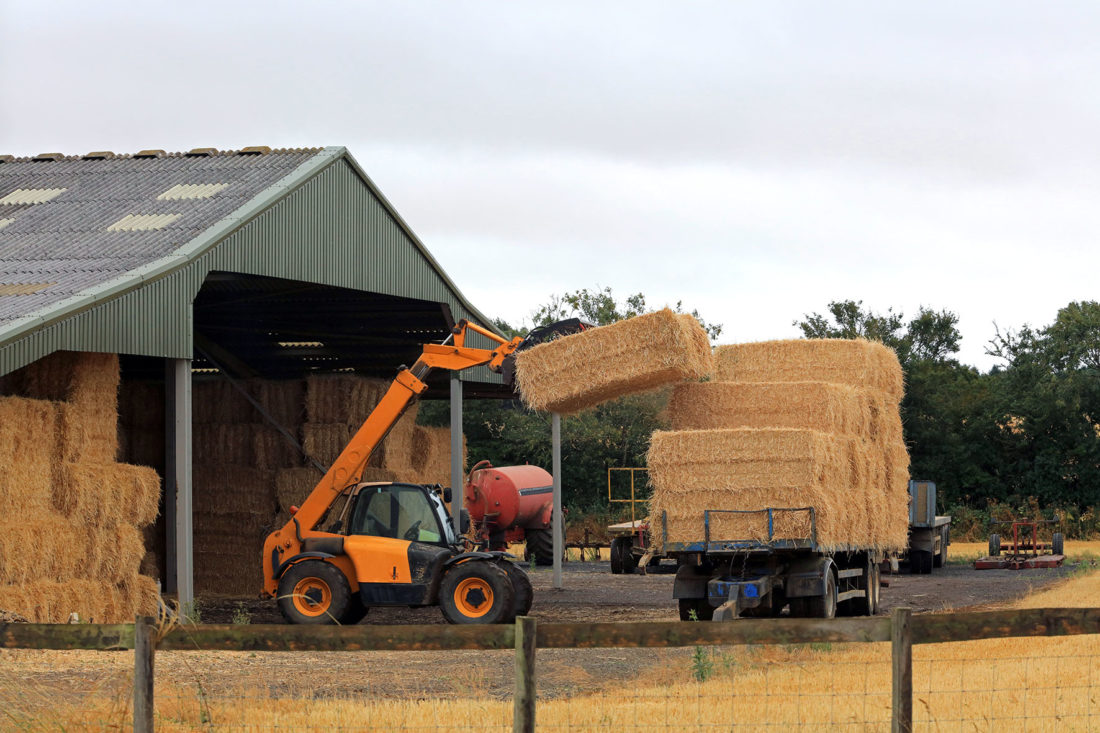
(633, 496)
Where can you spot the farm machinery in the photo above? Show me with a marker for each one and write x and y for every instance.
(352, 545)
(1021, 548)
(511, 504)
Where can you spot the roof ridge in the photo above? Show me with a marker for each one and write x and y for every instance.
(154, 153)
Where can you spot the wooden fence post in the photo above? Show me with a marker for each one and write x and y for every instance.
(523, 717)
(144, 649)
(901, 719)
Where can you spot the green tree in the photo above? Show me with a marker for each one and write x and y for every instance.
(601, 308)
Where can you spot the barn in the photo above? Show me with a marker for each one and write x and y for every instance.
(248, 305)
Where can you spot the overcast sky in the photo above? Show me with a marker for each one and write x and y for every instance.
(753, 160)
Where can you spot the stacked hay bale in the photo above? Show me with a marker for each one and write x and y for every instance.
(72, 539)
(788, 424)
(634, 355)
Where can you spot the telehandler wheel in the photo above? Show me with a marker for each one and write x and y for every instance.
(356, 611)
(314, 592)
(477, 592)
(522, 592)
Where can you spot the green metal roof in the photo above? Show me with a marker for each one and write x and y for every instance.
(323, 222)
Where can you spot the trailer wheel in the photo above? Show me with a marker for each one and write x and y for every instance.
(540, 546)
(920, 562)
(823, 606)
(477, 592)
(994, 545)
(314, 592)
(620, 548)
(1057, 544)
(521, 589)
(940, 558)
(701, 606)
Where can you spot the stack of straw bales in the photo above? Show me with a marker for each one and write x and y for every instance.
(71, 540)
(789, 424)
(634, 355)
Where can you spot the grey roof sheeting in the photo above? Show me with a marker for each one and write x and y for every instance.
(307, 215)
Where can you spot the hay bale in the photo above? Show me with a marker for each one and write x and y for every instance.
(830, 408)
(283, 400)
(219, 402)
(346, 398)
(227, 488)
(271, 449)
(293, 485)
(396, 452)
(88, 379)
(752, 469)
(638, 354)
(224, 443)
(323, 442)
(51, 602)
(431, 456)
(141, 405)
(107, 494)
(28, 454)
(856, 362)
(88, 435)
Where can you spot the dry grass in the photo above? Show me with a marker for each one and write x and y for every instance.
(751, 469)
(581, 371)
(857, 363)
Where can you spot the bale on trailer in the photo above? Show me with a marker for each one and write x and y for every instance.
(855, 362)
(751, 469)
(638, 354)
(830, 408)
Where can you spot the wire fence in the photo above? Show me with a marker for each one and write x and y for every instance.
(1022, 670)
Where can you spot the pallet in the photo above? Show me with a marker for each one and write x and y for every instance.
(1008, 562)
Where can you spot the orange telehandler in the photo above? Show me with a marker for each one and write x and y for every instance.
(393, 544)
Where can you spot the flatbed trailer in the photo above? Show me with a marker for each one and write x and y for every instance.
(725, 579)
(929, 534)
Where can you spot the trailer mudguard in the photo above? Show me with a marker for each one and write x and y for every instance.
(923, 539)
(691, 582)
(806, 576)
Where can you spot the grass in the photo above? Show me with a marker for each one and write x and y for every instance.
(1026, 684)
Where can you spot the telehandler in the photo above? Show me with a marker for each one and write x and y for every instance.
(353, 545)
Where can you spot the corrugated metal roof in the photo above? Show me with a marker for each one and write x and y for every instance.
(310, 215)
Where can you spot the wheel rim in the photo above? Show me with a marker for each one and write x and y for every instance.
(473, 597)
(312, 597)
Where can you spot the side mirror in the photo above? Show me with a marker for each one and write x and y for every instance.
(464, 521)
(447, 494)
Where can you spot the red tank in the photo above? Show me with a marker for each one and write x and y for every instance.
(511, 504)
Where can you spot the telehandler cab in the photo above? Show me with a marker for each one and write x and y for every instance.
(393, 544)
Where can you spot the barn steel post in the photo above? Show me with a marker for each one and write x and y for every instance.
(901, 636)
(555, 438)
(178, 490)
(457, 469)
(144, 651)
(523, 714)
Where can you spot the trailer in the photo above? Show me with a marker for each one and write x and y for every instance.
(929, 535)
(720, 579)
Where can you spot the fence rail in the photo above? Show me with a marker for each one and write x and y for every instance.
(902, 629)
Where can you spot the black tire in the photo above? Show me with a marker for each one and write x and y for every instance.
(994, 545)
(522, 593)
(920, 562)
(823, 606)
(540, 545)
(314, 592)
(477, 592)
(940, 558)
(355, 613)
(620, 548)
(701, 606)
(1058, 544)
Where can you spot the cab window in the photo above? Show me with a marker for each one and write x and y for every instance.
(399, 512)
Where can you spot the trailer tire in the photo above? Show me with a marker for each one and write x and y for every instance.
(920, 562)
(540, 546)
(701, 606)
(314, 592)
(620, 550)
(940, 558)
(823, 606)
(1058, 544)
(477, 592)
(994, 545)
